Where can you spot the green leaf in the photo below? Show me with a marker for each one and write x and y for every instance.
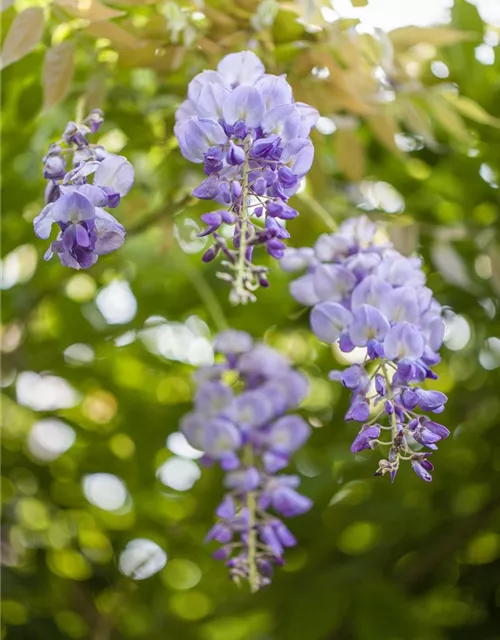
(24, 34)
(472, 110)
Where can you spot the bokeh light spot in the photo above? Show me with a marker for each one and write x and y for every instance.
(106, 491)
(141, 559)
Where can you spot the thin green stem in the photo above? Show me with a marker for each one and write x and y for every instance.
(253, 577)
(239, 283)
(318, 209)
(394, 422)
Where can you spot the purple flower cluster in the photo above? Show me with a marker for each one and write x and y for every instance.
(86, 230)
(366, 294)
(252, 138)
(241, 421)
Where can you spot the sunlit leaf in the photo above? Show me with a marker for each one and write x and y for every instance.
(385, 126)
(92, 10)
(5, 4)
(58, 70)
(416, 119)
(350, 154)
(472, 110)
(118, 36)
(24, 34)
(406, 37)
(451, 121)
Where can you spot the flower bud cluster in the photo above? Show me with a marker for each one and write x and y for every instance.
(366, 294)
(75, 204)
(241, 421)
(252, 138)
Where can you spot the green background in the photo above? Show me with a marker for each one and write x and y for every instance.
(374, 561)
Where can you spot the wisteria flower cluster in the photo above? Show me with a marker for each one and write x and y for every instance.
(366, 294)
(76, 205)
(241, 421)
(252, 138)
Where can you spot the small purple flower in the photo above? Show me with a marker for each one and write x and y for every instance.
(86, 230)
(252, 139)
(245, 428)
(365, 294)
(365, 437)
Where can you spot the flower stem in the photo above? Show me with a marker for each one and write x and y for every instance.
(253, 577)
(394, 422)
(240, 293)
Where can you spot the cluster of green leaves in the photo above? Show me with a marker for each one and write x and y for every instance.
(420, 153)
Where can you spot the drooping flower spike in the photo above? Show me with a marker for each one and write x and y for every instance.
(241, 422)
(252, 138)
(366, 294)
(77, 204)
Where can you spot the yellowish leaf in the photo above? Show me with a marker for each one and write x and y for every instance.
(24, 34)
(385, 126)
(118, 36)
(416, 119)
(58, 70)
(406, 37)
(350, 154)
(447, 116)
(5, 4)
(405, 235)
(472, 110)
(95, 93)
(92, 10)
(359, 3)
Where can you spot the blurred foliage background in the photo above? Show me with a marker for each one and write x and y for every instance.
(104, 505)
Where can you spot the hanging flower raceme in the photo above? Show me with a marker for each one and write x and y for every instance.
(366, 294)
(252, 138)
(82, 179)
(241, 422)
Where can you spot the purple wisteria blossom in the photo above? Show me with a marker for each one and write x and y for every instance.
(252, 139)
(76, 205)
(245, 427)
(366, 294)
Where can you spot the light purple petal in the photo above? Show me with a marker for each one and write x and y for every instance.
(115, 172)
(309, 116)
(73, 207)
(197, 135)
(368, 324)
(196, 85)
(283, 120)
(333, 282)
(244, 103)
(298, 154)
(404, 340)
(275, 91)
(329, 320)
(401, 305)
(243, 68)
(372, 291)
(185, 111)
(211, 99)
(42, 224)
(110, 233)
(302, 289)
(288, 434)
(232, 341)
